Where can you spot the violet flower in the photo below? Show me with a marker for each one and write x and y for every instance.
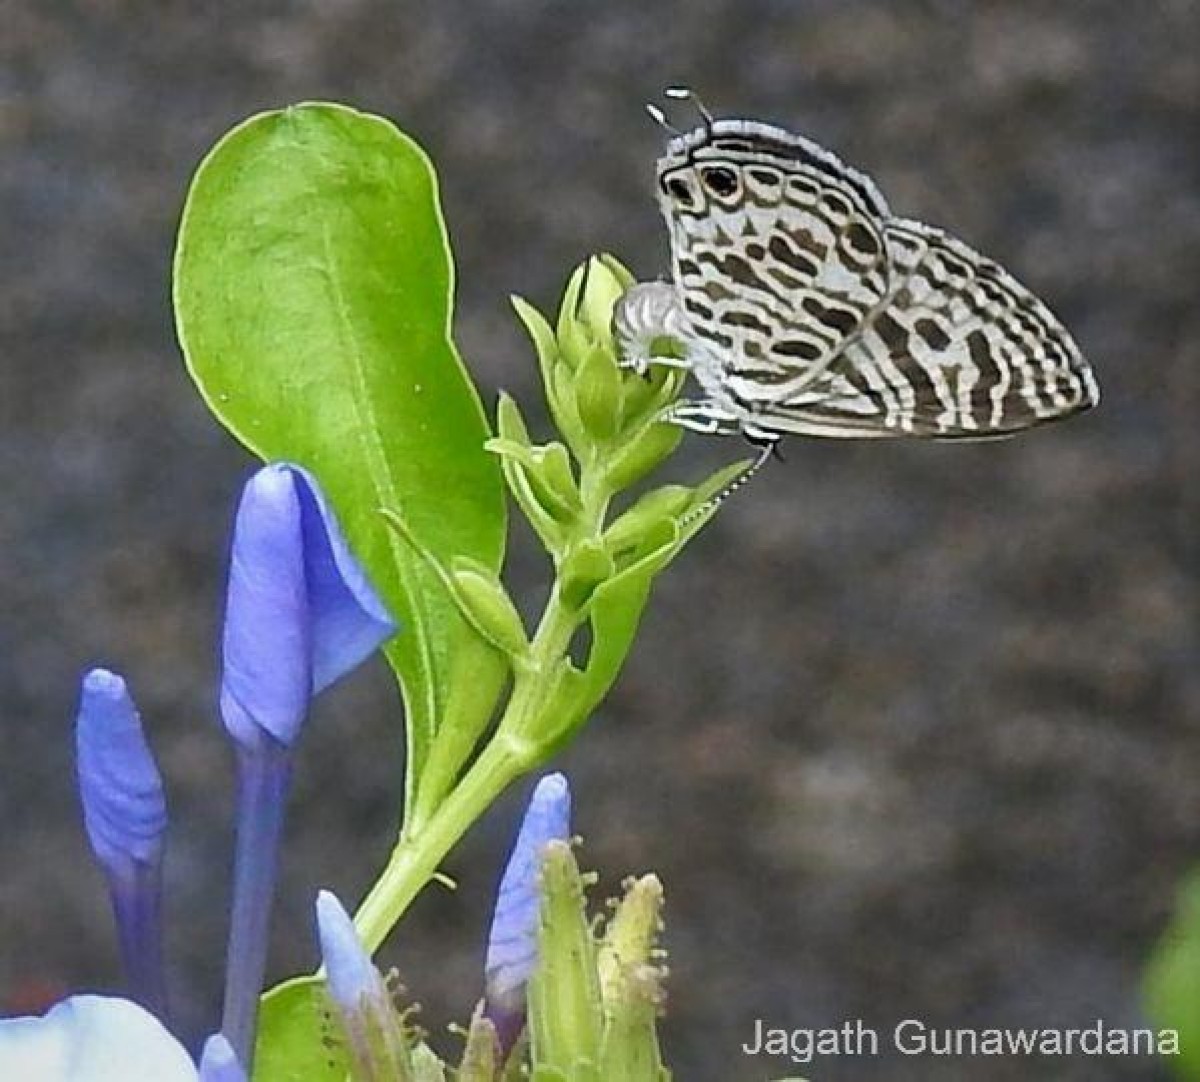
(300, 613)
(125, 815)
(512, 941)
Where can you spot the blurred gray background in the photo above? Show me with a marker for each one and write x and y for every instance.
(910, 732)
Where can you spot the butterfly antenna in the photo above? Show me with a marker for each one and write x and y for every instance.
(686, 93)
(660, 118)
(713, 502)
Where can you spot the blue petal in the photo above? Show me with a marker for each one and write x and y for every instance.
(350, 974)
(300, 612)
(92, 1039)
(512, 942)
(218, 1062)
(124, 809)
(349, 620)
(266, 679)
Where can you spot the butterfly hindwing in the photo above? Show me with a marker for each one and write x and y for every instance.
(960, 349)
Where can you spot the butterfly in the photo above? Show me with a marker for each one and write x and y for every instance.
(803, 306)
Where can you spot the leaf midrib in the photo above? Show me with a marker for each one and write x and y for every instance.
(382, 480)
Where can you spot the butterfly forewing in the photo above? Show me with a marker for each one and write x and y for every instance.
(779, 258)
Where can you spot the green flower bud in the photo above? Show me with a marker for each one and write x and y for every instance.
(606, 281)
(657, 506)
(653, 392)
(509, 422)
(630, 1046)
(539, 330)
(587, 566)
(553, 481)
(564, 410)
(598, 393)
(543, 474)
(480, 1051)
(629, 941)
(631, 984)
(585, 316)
(556, 373)
(486, 604)
(618, 270)
(574, 341)
(566, 1017)
(426, 1065)
(637, 458)
(515, 460)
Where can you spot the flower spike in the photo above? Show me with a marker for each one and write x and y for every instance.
(299, 615)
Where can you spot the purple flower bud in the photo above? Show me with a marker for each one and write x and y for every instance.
(350, 974)
(124, 809)
(300, 612)
(218, 1063)
(373, 1029)
(512, 941)
(125, 815)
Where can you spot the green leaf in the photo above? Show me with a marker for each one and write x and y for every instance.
(293, 1032)
(1172, 982)
(313, 286)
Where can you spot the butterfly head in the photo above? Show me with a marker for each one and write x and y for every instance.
(718, 167)
(725, 165)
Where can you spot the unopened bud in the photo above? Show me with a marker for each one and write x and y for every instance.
(654, 508)
(565, 1012)
(629, 941)
(486, 604)
(643, 454)
(588, 565)
(598, 393)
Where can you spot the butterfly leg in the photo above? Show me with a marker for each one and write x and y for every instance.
(704, 416)
(762, 439)
(648, 312)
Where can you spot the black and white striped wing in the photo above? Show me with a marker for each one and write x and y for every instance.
(959, 350)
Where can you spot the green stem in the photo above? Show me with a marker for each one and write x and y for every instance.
(511, 752)
(415, 860)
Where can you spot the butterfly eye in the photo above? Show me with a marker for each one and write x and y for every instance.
(678, 190)
(720, 181)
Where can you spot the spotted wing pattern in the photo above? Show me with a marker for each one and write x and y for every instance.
(778, 272)
(810, 309)
(960, 349)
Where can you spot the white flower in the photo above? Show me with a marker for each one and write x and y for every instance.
(92, 1039)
